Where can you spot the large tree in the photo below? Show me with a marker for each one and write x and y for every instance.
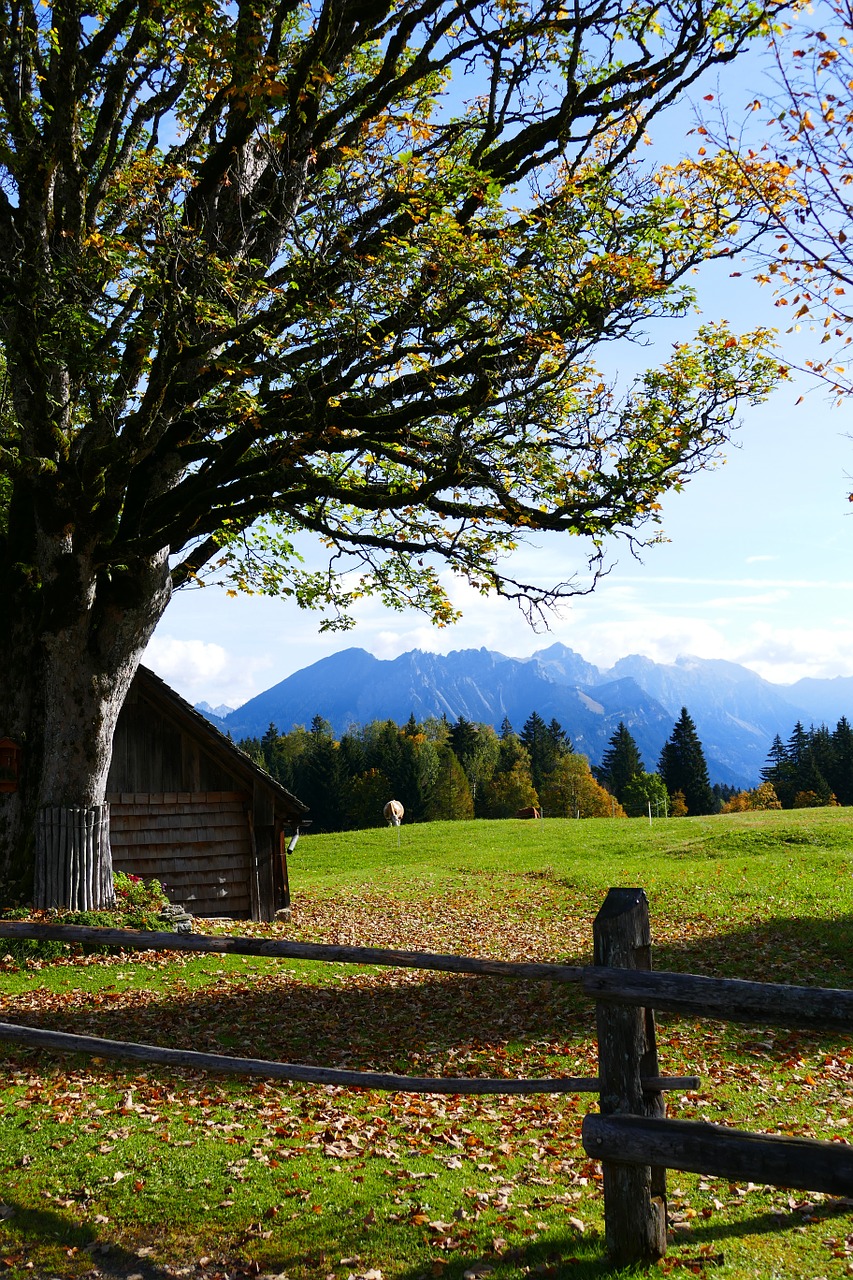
(335, 266)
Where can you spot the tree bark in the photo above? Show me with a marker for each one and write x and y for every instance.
(74, 641)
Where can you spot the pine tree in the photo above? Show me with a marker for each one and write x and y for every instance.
(322, 779)
(418, 777)
(352, 753)
(452, 796)
(722, 793)
(276, 758)
(682, 766)
(777, 758)
(506, 730)
(382, 741)
(620, 763)
(841, 780)
(476, 747)
(779, 772)
(561, 740)
(806, 778)
(797, 746)
(411, 728)
(546, 744)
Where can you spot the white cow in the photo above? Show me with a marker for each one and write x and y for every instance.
(393, 813)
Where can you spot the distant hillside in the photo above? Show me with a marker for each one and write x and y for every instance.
(736, 712)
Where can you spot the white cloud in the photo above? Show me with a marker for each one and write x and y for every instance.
(757, 600)
(202, 671)
(657, 635)
(786, 654)
(185, 660)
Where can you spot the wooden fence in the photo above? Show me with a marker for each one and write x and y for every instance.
(631, 1135)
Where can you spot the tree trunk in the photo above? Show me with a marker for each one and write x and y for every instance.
(74, 642)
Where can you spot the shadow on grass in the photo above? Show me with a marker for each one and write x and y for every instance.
(382, 1025)
(418, 1023)
(98, 1254)
(803, 951)
(46, 1228)
(88, 1252)
(390, 1020)
(557, 1255)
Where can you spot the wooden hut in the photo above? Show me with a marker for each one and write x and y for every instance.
(189, 809)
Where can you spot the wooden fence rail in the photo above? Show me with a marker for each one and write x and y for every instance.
(631, 1137)
(716, 1150)
(726, 999)
(67, 1043)
(275, 948)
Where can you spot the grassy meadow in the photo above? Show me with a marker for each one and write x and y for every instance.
(125, 1171)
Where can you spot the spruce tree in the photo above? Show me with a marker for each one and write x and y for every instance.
(779, 772)
(842, 774)
(808, 786)
(561, 740)
(797, 746)
(546, 743)
(620, 763)
(322, 779)
(451, 799)
(683, 769)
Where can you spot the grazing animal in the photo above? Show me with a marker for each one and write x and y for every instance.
(530, 812)
(393, 813)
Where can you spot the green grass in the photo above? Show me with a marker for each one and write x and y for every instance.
(100, 1161)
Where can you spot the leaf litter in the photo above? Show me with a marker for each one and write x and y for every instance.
(507, 1173)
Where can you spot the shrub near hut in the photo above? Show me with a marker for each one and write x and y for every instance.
(139, 904)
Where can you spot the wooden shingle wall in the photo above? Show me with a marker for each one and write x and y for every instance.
(197, 844)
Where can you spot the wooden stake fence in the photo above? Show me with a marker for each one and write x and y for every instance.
(631, 1137)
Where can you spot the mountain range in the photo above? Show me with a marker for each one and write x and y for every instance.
(736, 712)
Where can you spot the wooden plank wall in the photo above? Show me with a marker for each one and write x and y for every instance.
(197, 844)
(151, 750)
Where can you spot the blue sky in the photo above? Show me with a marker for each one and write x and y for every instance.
(757, 568)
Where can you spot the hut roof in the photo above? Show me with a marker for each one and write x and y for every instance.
(214, 742)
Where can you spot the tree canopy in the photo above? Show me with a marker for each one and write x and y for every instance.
(336, 267)
(814, 762)
(269, 261)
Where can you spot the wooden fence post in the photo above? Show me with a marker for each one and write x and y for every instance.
(634, 1195)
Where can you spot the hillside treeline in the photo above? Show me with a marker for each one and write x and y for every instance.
(814, 767)
(438, 770)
